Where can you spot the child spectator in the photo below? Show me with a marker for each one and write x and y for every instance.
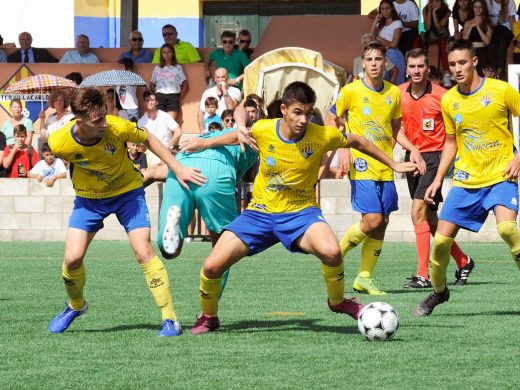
(214, 126)
(138, 158)
(252, 112)
(19, 158)
(49, 169)
(227, 119)
(259, 104)
(490, 71)
(211, 104)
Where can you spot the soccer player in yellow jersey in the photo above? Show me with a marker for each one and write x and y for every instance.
(476, 117)
(374, 111)
(284, 208)
(106, 182)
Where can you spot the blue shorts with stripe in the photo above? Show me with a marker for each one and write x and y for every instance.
(259, 231)
(130, 209)
(469, 207)
(373, 197)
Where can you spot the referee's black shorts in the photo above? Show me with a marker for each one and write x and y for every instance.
(417, 185)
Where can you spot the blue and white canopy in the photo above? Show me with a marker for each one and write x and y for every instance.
(112, 78)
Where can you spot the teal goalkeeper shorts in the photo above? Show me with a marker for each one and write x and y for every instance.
(215, 200)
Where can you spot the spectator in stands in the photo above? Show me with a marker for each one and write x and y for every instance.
(516, 43)
(28, 54)
(59, 101)
(462, 12)
(244, 43)
(215, 126)
(252, 112)
(490, 71)
(391, 72)
(435, 75)
(502, 15)
(82, 55)
(436, 17)
(227, 119)
(160, 124)
(75, 76)
(17, 118)
(128, 93)
(274, 110)
(409, 14)
(227, 96)
(19, 158)
(3, 171)
(233, 60)
(114, 105)
(3, 55)
(479, 31)
(136, 52)
(210, 116)
(184, 51)
(138, 158)
(259, 104)
(387, 27)
(49, 169)
(169, 82)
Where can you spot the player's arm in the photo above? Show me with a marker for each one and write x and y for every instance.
(196, 144)
(449, 151)
(245, 135)
(183, 174)
(363, 145)
(344, 157)
(402, 139)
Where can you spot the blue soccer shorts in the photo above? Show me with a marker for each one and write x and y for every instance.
(373, 197)
(469, 207)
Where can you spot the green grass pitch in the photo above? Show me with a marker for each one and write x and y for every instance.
(277, 331)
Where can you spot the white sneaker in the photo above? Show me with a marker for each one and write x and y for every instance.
(171, 230)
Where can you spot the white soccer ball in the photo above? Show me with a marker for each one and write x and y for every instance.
(378, 321)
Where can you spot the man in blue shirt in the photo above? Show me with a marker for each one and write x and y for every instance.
(82, 55)
(136, 52)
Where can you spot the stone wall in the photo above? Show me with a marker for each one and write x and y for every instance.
(31, 211)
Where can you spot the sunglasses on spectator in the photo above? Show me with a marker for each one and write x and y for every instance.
(229, 120)
(169, 33)
(137, 39)
(229, 42)
(242, 41)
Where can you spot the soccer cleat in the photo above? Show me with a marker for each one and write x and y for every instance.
(62, 321)
(205, 324)
(171, 230)
(418, 282)
(426, 307)
(351, 307)
(462, 274)
(170, 328)
(366, 285)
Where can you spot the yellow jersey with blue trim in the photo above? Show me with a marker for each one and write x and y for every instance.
(370, 114)
(288, 173)
(480, 121)
(101, 170)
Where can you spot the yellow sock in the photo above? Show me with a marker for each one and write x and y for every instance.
(511, 235)
(439, 261)
(208, 294)
(74, 283)
(370, 251)
(159, 285)
(352, 238)
(335, 281)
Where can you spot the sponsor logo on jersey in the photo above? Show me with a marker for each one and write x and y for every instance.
(270, 161)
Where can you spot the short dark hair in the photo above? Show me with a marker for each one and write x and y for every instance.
(46, 148)
(148, 93)
(75, 76)
(128, 63)
(244, 32)
(374, 45)
(19, 128)
(226, 113)
(273, 109)
(228, 34)
(214, 126)
(211, 101)
(86, 100)
(461, 44)
(250, 103)
(417, 53)
(169, 26)
(298, 92)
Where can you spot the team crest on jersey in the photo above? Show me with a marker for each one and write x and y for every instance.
(366, 111)
(485, 101)
(110, 149)
(360, 165)
(78, 156)
(461, 175)
(270, 148)
(389, 100)
(365, 99)
(458, 119)
(270, 161)
(514, 201)
(306, 152)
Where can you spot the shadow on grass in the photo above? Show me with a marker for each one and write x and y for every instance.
(450, 285)
(294, 324)
(483, 313)
(121, 328)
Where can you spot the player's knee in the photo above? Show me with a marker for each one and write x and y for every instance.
(144, 254)
(212, 270)
(72, 262)
(375, 223)
(330, 254)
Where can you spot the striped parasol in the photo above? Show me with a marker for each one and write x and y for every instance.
(41, 83)
(112, 78)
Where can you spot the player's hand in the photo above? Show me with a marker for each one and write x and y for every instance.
(431, 191)
(406, 167)
(415, 157)
(513, 168)
(192, 175)
(192, 145)
(245, 138)
(344, 160)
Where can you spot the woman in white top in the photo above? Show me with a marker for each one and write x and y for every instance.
(169, 81)
(502, 15)
(387, 28)
(61, 116)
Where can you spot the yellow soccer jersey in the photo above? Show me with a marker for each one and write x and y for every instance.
(370, 114)
(102, 170)
(288, 171)
(480, 122)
